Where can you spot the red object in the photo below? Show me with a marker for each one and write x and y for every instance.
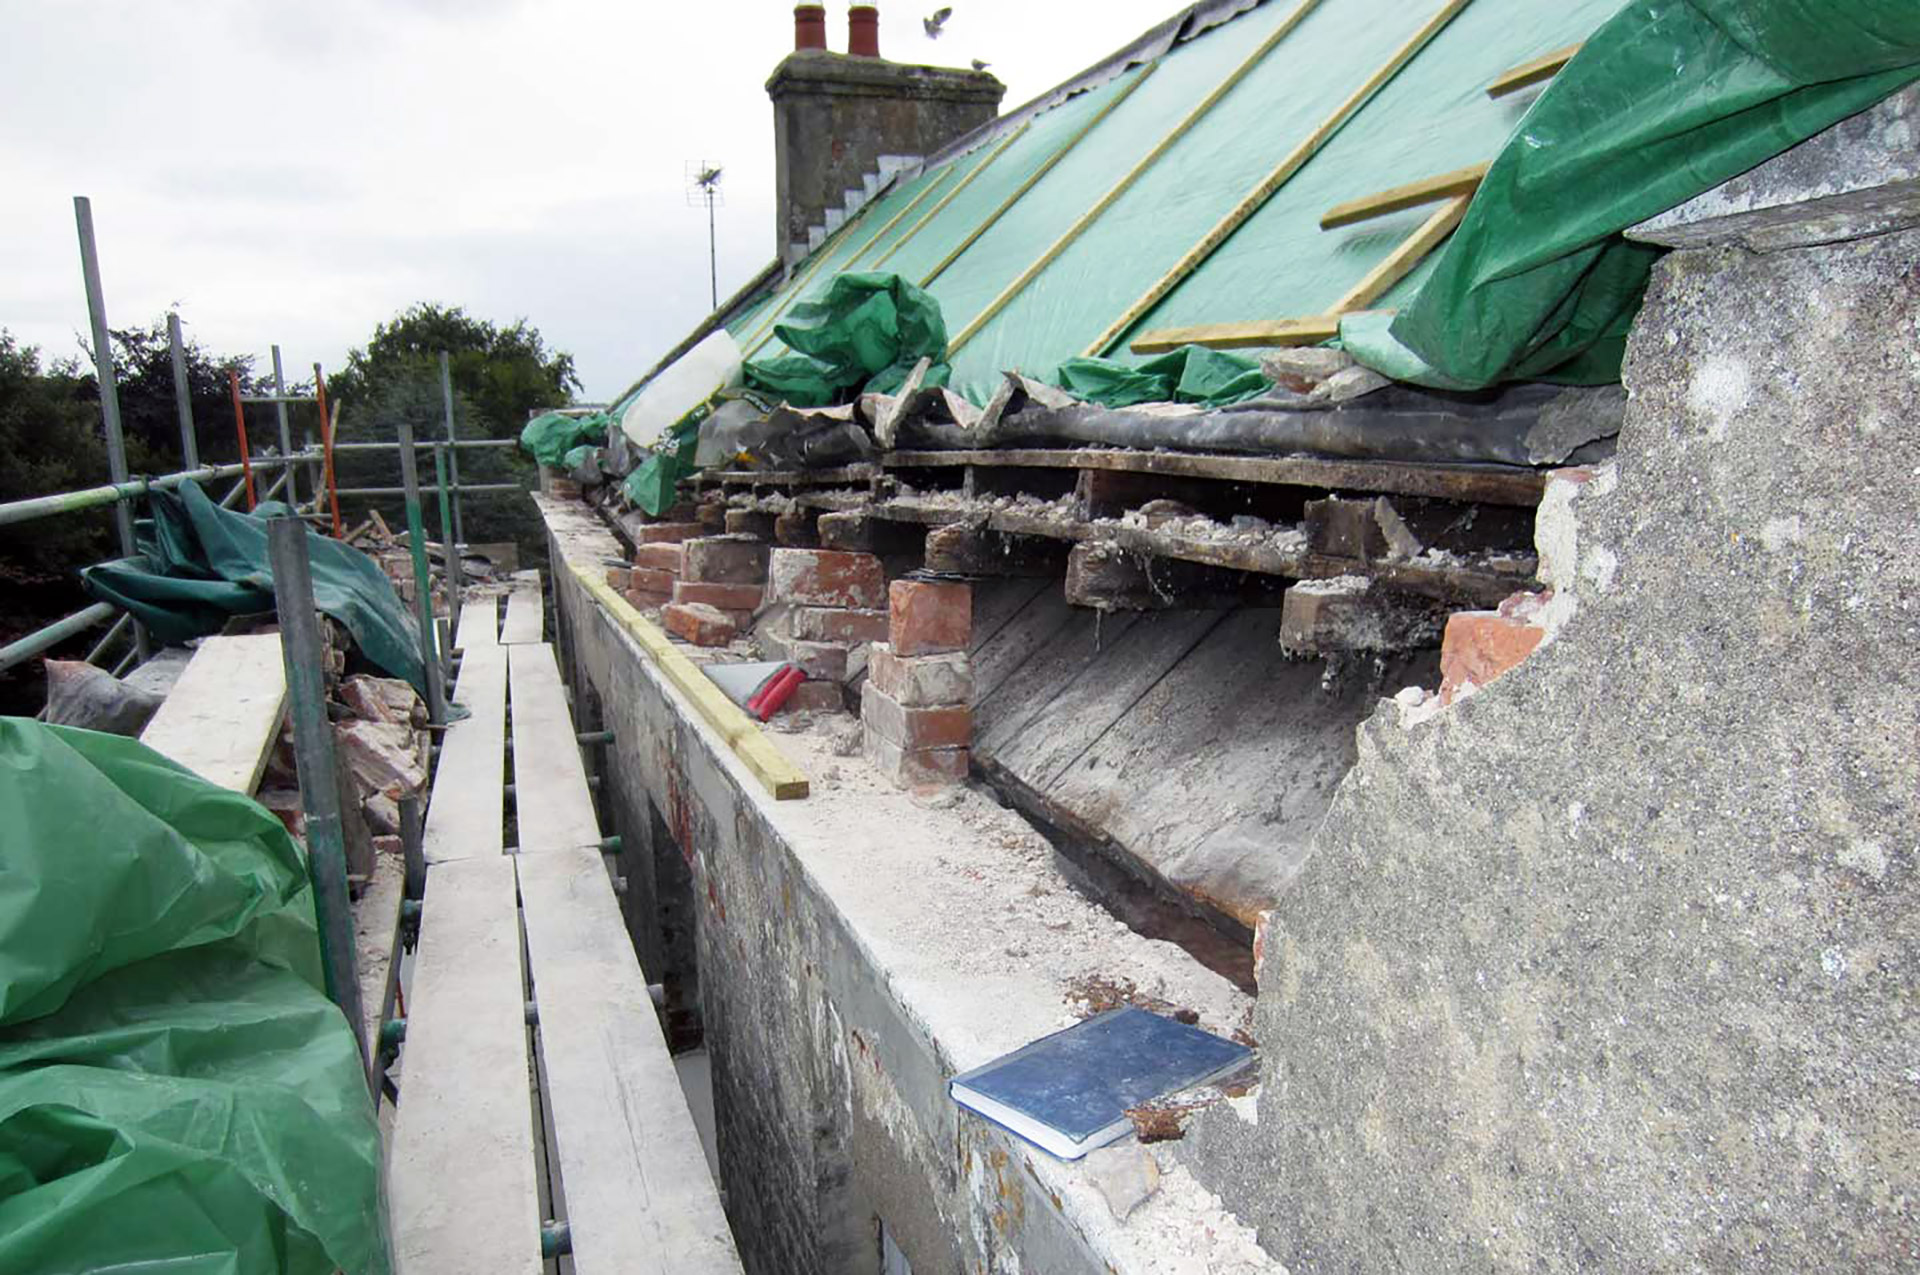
(326, 446)
(929, 617)
(863, 31)
(809, 27)
(240, 428)
(760, 691)
(778, 692)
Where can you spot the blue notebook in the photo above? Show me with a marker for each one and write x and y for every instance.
(1068, 1093)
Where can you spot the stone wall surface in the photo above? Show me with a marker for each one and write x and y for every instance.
(854, 951)
(1612, 966)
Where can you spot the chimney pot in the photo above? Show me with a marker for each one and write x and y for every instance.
(809, 27)
(863, 31)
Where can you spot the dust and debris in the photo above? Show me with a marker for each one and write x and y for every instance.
(995, 888)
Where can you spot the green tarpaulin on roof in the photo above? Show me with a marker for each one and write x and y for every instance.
(203, 565)
(1665, 101)
(1668, 99)
(177, 1094)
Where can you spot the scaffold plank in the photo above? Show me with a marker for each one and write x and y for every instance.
(639, 1197)
(467, 809)
(223, 715)
(461, 1171)
(552, 802)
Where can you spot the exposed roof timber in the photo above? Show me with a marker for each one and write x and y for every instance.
(1274, 180)
(1033, 178)
(1405, 257)
(1132, 175)
(1540, 69)
(1310, 330)
(1485, 484)
(951, 195)
(1461, 181)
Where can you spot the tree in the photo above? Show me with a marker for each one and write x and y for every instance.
(50, 439)
(500, 376)
(504, 373)
(149, 417)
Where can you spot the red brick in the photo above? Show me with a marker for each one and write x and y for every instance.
(929, 768)
(728, 597)
(618, 579)
(839, 624)
(923, 680)
(928, 617)
(821, 661)
(914, 729)
(654, 533)
(1479, 646)
(648, 580)
(699, 624)
(712, 517)
(725, 560)
(647, 599)
(827, 578)
(797, 529)
(816, 697)
(664, 556)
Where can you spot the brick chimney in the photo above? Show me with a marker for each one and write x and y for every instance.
(835, 115)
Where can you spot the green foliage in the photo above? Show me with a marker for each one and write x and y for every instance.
(503, 373)
(50, 439)
(500, 376)
(149, 418)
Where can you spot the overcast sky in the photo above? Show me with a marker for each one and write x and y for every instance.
(296, 170)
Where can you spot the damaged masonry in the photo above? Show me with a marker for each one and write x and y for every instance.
(1373, 548)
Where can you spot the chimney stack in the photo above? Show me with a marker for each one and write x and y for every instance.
(809, 27)
(863, 31)
(843, 119)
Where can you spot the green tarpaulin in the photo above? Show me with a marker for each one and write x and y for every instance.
(863, 335)
(550, 436)
(1666, 100)
(653, 484)
(204, 565)
(1190, 374)
(177, 1094)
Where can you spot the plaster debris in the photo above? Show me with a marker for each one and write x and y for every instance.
(1125, 1174)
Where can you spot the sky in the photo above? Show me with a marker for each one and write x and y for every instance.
(296, 171)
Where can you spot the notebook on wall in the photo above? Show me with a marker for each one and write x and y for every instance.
(1068, 1093)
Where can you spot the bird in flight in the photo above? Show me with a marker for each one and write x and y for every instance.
(937, 24)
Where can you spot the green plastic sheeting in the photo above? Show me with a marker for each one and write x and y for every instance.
(1190, 374)
(1666, 100)
(863, 335)
(654, 483)
(204, 565)
(550, 436)
(177, 1094)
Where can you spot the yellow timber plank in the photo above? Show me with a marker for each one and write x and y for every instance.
(1405, 257)
(1544, 67)
(1033, 178)
(1279, 176)
(1132, 175)
(1234, 336)
(907, 236)
(743, 735)
(1461, 181)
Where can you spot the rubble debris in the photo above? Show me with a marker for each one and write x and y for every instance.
(1125, 1174)
(84, 695)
